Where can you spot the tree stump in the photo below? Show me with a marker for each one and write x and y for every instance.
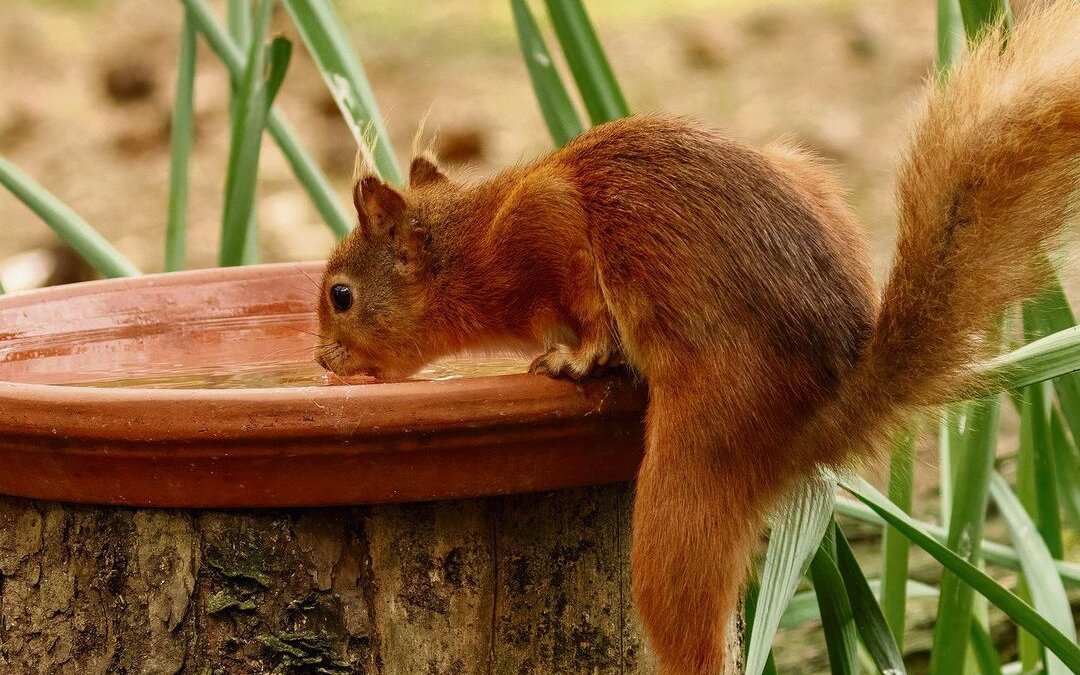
(533, 583)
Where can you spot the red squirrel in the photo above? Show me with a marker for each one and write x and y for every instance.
(736, 283)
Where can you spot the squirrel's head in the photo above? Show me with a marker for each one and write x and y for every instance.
(375, 300)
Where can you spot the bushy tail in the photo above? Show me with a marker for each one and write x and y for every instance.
(986, 187)
(988, 182)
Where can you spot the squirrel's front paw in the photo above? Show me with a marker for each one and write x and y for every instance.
(562, 361)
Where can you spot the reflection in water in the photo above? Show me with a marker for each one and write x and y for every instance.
(294, 374)
(271, 349)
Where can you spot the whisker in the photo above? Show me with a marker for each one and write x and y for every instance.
(318, 288)
(307, 332)
(306, 290)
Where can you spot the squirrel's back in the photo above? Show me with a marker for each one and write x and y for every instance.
(721, 242)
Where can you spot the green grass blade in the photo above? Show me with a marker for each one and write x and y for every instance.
(1037, 563)
(803, 608)
(183, 136)
(324, 35)
(752, 591)
(1066, 469)
(874, 630)
(556, 107)
(992, 552)
(2, 291)
(796, 535)
(894, 545)
(837, 619)
(1039, 319)
(1050, 313)
(595, 80)
(978, 14)
(238, 19)
(1049, 357)
(279, 52)
(1044, 315)
(1020, 612)
(950, 35)
(265, 69)
(1036, 488)
(950, 439)
(66, 223)
(968, 517)
(983, 649)
(1037, 466)
(238, 225)
(303, 166)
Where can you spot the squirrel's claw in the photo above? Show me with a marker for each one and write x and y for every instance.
(562, 361)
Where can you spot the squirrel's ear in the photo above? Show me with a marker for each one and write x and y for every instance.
(423, 171)
(377, 204)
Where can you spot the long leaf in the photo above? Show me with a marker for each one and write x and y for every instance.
(873, 628)
(978, 14)
(796, 535)
(1052, 356)
(950, 441)
(558, 111)
(66, 223)
(324, 35)
(254, 98)
(238, 19)
(1038, 461)
(837, 619)
(183, 136)
(303, 166)
(1020, 612)
(1050, 313)
(1036, 485)
(1047, 591)
(1066, 469)
(751, 611)
(592, 72)
(894, 545)
(968, 516)
(982, 648)
(993, 552)
(950, 38)
(803, 607)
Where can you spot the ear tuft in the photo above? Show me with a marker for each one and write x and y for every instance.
(423, 171)
(377, 204)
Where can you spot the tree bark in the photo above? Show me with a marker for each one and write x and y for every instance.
(521, 584)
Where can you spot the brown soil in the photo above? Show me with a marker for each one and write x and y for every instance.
(88, 90)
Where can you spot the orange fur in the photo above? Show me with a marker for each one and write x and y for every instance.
(736, 282)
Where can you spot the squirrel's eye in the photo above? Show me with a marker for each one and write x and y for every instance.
(341, 296)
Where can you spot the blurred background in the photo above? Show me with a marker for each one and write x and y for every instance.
(87, 89)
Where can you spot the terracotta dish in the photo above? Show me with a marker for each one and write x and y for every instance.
(197, 389)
